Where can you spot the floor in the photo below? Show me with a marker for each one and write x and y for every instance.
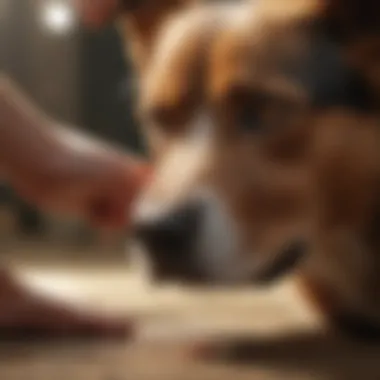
(279, 338)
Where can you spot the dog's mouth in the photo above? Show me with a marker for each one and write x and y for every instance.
(181, 249)
(282, 264)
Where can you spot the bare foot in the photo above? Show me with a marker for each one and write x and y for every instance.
(26, 315)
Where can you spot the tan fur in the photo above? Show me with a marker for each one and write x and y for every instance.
(142, 24)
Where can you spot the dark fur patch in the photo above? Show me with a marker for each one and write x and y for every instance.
(357, 327)
(372, 232)
(330, 80)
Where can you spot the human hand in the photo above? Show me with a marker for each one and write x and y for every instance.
(91, 182)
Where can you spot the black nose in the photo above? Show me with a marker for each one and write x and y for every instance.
(170, 241)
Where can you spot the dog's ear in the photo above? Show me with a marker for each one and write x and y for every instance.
(141, 20)
(348, 19)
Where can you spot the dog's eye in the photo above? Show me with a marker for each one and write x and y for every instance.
(246, 109)
(248, 118)
(253, 111)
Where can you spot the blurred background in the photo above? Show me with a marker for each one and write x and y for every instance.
(84, 78)
(76, 76)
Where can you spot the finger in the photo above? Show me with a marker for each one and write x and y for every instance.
(111, 206)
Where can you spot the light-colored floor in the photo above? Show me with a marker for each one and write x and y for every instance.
(283, 335)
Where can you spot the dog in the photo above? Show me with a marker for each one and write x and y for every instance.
(262, 121)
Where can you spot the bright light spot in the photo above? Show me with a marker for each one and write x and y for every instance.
(58, 17)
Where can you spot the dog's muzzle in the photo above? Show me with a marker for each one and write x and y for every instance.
(196, 244)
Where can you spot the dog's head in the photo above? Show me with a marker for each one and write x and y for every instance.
(250, 108)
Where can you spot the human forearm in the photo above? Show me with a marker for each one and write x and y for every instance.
(26, 141)
(31, 142)
(55, 166)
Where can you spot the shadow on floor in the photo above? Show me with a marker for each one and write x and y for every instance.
(321, 355)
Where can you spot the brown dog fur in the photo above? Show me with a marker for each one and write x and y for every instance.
(314, 171)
